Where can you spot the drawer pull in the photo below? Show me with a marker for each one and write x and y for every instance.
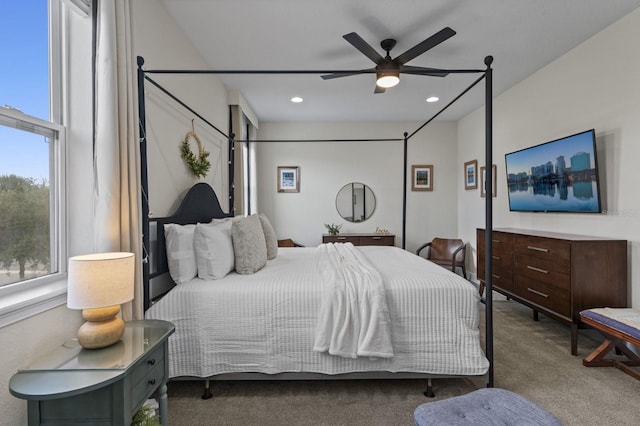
(495, 257)
(495, 276)
(376, 238)
(533, 268)
(341, 238)
(538, 249)
(496, 241)
(537, 292)
(152, 361)
(152, 382)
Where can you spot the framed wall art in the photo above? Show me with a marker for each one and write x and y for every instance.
(483, 179)
(288, 179)
(422, 178)
(471, 174)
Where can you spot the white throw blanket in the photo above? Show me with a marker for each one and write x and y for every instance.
(354, 318)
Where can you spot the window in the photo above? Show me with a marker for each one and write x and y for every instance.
(32, 143)
(29, 197)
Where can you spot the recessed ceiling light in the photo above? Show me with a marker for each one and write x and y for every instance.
(433, 99)
(296, 99)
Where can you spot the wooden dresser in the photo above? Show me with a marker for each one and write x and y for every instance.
(556, 274)
(361, 239)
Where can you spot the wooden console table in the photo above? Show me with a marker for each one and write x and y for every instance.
(72, 385)
(556, 274)
(361, 239)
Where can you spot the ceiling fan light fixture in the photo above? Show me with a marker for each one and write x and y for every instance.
(388, 79)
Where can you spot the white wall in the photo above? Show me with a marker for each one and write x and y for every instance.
(326, 166)
(596, 85)
(163, 45)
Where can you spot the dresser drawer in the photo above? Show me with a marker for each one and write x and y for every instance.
(501, 259)
(557, 274)
(148, 363)
(355, 240)
(543, 248)
(502, 279)
(377, 240)
(148, 383)
(543, 294)
(501, 243)
(502, 263)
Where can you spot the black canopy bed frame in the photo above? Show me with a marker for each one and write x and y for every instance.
(211, 209)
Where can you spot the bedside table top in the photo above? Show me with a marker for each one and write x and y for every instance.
(70, 367)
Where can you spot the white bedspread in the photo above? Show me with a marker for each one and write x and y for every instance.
(265, 322)
(354, 318)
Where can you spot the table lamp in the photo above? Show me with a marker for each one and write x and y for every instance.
(98, 284)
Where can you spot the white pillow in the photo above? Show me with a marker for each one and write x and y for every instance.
(270, 237)
(249, 245)
(214, 249)
(180, 253)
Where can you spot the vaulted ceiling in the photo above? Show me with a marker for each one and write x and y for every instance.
(522, 36)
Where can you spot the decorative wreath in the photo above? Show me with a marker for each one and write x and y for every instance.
(199, 165)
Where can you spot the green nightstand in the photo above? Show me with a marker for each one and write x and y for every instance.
(72, 385)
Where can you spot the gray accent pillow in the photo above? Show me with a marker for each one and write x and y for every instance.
(269, 236)
(249, 245)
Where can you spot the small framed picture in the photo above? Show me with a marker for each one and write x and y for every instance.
(422, 178)
(288, 179)
(483, 179)
(471, 174)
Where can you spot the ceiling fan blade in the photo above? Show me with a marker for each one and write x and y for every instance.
(347, 74)
(429, 43)
(379, 89)
(434, 72)
(364, 47)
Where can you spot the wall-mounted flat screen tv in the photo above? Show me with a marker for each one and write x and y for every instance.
(556, 176)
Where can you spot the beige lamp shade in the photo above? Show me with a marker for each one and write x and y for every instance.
(100, 280)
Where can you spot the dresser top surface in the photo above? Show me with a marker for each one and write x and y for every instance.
(556, 235)
(359, 234)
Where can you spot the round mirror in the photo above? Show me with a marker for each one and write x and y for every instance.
(355, 202)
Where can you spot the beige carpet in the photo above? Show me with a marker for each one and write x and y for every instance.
(531, 359)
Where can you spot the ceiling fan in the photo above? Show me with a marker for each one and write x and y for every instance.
(388, 70)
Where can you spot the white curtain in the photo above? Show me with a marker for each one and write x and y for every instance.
(117, 200)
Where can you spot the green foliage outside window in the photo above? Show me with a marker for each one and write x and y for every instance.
(24, 223)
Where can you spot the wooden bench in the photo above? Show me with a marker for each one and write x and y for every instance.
(619, 326)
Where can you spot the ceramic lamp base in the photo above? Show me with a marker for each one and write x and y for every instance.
(103, 328)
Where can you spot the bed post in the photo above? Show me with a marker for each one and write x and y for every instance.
(488, 215)
(232, 185)
(404, 192)
(144, 183)
(231, 163)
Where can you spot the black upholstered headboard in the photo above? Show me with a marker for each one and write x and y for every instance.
(199, 205)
